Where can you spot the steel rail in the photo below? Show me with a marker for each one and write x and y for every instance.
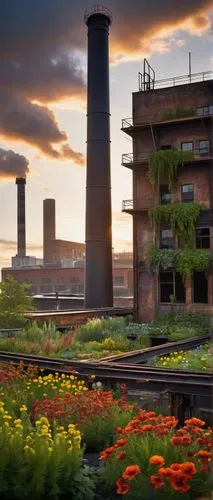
(147, 378)
(144, 355)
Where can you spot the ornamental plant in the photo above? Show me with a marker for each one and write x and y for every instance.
(151, 459)
(96, 413)
(163, 165)
(38, 462)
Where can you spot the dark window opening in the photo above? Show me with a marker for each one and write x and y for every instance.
(166, 286)
(200, 282)
(203, 238)
(171, 284)
(167, 146)
(187, 146)
(203, 110)
(166, 238)
(204, 147)
(187, 193)
(165, 195)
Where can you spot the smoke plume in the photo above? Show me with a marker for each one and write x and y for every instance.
(12, 165)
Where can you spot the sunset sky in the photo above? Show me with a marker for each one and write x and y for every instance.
(43, 101)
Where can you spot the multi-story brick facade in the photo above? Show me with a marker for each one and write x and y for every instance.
(180, 117)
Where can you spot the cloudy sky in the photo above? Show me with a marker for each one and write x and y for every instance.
(43, 101)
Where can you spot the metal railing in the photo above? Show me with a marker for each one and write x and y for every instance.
(197, 154)
(173, 82)
(127, 205)
(151, 119)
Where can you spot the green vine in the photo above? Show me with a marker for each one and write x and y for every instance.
(163, 165)
(181, 217)
(172, 114)
(185, 261)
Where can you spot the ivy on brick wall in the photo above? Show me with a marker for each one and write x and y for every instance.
(184, 261)
(181, 217)
(163, 165)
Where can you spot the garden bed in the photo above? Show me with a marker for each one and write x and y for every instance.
(62, 440)
(199, 359)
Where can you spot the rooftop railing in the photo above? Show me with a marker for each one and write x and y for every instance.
(173, 82)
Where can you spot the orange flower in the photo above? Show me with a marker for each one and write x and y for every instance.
(104, 456)
(156, 481)
(181, 440)
(147, 428)
(130, 472)
(121, 455)
(122, 487)
(175, 467)
(165, 471)
(195, 421)
(179, 482)
(189, 469)
(204, 455)
(157, 460)
(109, 451)
(120, 442)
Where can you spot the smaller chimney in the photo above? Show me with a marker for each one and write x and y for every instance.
(48, 229)
(21, 229)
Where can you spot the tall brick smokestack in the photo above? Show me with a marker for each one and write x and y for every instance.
(48, 229)
(21, 224)
(98, 282)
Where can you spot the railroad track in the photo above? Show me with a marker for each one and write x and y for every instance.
(144, 355)
(144, 377)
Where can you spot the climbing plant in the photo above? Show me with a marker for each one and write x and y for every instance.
(172, 114)
(185, 261)
(181, 217)
(163, 165)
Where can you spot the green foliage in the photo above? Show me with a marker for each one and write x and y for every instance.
(185, 261)
(98, 329)
(181, 217)
(13, 303)
(182, 321)
(172, 114)
(163, 165)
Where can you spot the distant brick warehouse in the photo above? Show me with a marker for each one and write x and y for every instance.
(177, 117)
(53, 279)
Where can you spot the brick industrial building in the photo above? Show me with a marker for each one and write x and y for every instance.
(172, 114)
(62, 269)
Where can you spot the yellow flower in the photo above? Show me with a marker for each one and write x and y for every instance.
(8, 417)
(23, 408)
(6, 424)
(17, 421)
(44, 421)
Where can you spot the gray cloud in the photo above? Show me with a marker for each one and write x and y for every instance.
(36, 125)
(12, 165)
(41, 42)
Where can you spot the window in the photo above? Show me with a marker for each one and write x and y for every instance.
(171, 283)
(166, 238)
(203, 147)
(203, 238)
(200, 288)
(118, 281)
(204, 110)
(167, 146)
(187, 146)
(187, 193)
(165, 195)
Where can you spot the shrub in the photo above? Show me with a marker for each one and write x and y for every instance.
(41, 463)
(151, 458)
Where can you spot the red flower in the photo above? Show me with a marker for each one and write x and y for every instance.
(189, 469)
(179, 482)
(203, 455)
(157, 460)
(130, 472)
(175, 466)
(195, 421)
(121, 455)
(165, 471)
(122, 487)
(120, 442)
(109, 451)
(156, 481)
